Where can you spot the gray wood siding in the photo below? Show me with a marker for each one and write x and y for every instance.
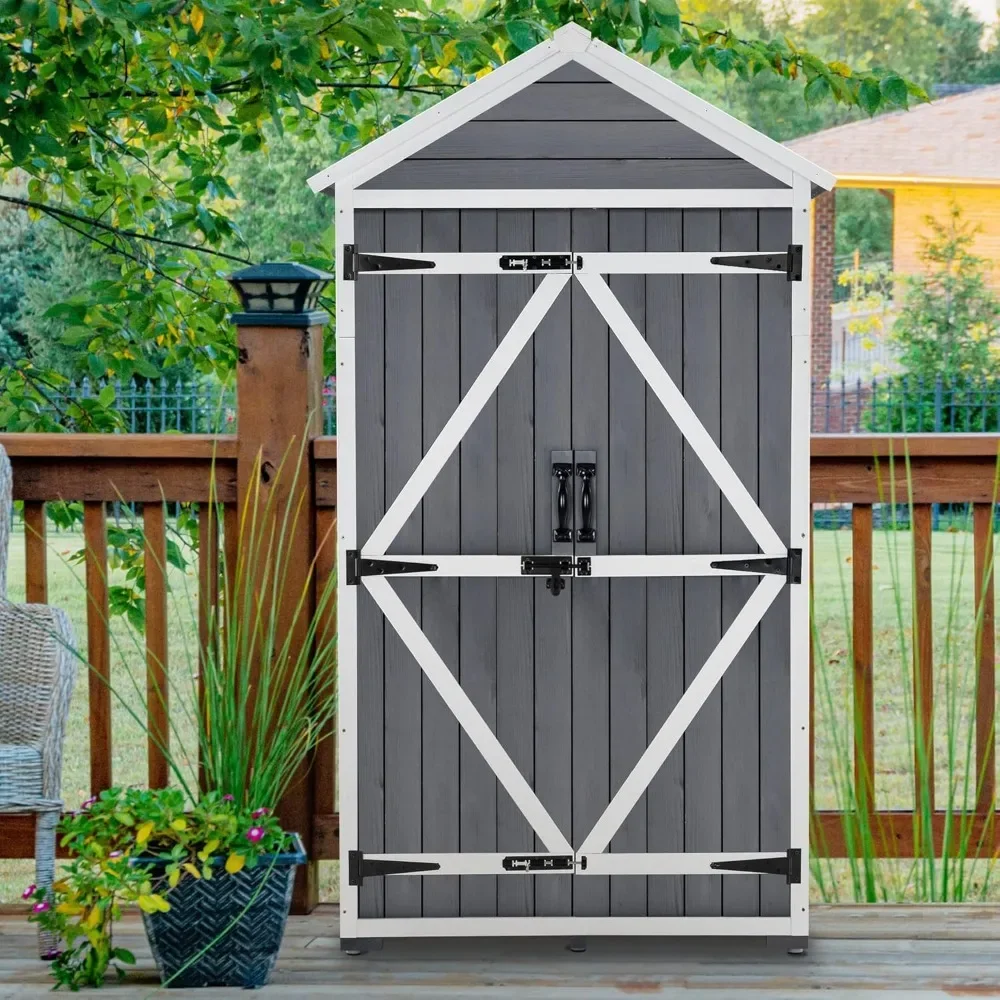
(574, 687)
(573, 129)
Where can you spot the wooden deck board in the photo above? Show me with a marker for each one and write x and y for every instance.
(917, 951)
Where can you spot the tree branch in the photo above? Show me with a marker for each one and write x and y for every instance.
(62, 213)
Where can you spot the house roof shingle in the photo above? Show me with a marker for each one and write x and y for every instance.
(954, 137)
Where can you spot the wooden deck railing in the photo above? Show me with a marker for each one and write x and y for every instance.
(863, 470)
(856, 470)
(99, 469)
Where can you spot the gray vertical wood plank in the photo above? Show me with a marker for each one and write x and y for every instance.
(439, 601)
(590, 597)
(370, 423)
(515, 597)
(773, 471)
(478, 598)
(740, 691)
(554, 759)
(702, 597)
(403, 677)
(625, 469)
(665, 536)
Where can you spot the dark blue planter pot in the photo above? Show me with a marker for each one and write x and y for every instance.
(243, 914)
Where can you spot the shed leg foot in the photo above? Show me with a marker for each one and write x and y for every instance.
(360, 946)
(577, 945)
(798, 946)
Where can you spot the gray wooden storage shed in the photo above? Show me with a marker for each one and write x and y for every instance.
(573, 423)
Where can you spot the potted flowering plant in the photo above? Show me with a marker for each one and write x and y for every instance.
(206, 860)
(213, 882)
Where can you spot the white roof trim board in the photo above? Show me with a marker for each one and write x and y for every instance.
(570, 43)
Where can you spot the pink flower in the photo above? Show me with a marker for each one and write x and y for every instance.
(51, 956)
(29, 892)
(259, 813)
(255, 833)
(41, 907)
(88, 803)
(115, 854)
(228, 798)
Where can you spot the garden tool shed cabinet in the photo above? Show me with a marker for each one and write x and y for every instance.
(573, 512)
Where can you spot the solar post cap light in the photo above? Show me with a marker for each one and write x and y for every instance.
(276, 294)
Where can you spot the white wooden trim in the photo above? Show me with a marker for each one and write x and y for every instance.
(667, 864)
(800, 636)
(566, 46)
(347, 597)
(483, 738)
(453, 927)
(575, 198)
(681, 413)
(462, 263)
(404, 140)
(468, 409)
(470, 863)
(687, 707)
(681, 262)
(469, 566)
(661, 566)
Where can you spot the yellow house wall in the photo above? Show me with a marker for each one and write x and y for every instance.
(980, 205)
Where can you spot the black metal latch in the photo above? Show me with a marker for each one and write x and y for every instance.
(541, 863)
(555, 568)
(355, 262)
(790, 566)
(538, 262)
(790, 262)
(359, 867)
(788, 864)
(358, 567)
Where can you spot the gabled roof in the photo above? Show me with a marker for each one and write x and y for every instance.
(570, 43)
(955, 138)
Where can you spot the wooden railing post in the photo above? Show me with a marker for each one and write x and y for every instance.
(279, 398)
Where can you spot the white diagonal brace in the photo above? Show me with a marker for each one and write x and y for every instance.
(681, 412)
(468, 409)
(483, 738)
(680, 718)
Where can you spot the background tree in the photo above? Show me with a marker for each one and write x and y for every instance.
(131, 121)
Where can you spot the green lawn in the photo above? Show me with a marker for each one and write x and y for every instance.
(953, 631)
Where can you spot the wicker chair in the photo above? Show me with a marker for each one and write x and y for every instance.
(37, 666)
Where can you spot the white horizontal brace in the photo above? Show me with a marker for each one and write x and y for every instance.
(478, 566)
(683, 713)
(468, 409)
(476, 728)
(468, 864)
(463, 263)
(575, 198)
(685, 262)
(656, 566)
(667, 864)
(400, 927)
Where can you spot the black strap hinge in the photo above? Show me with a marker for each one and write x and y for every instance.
(358, 567)
(789, 262)
(555, 568)
(359, 867)
(356, 262)
(788, 864)
(790, 566)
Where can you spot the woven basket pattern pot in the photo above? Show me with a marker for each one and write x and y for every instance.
(201, 910)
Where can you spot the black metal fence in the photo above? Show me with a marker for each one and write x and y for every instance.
(893, 404)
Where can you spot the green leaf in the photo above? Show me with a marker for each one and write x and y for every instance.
(46, 144)
(816, 89)
(521, 34)
(679, 55)
(869, 95)
(124, 955)
(894, 89)
(106, 397)
(155, 119)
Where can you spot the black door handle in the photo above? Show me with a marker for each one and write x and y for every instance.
(563, 472)
(587, 471)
